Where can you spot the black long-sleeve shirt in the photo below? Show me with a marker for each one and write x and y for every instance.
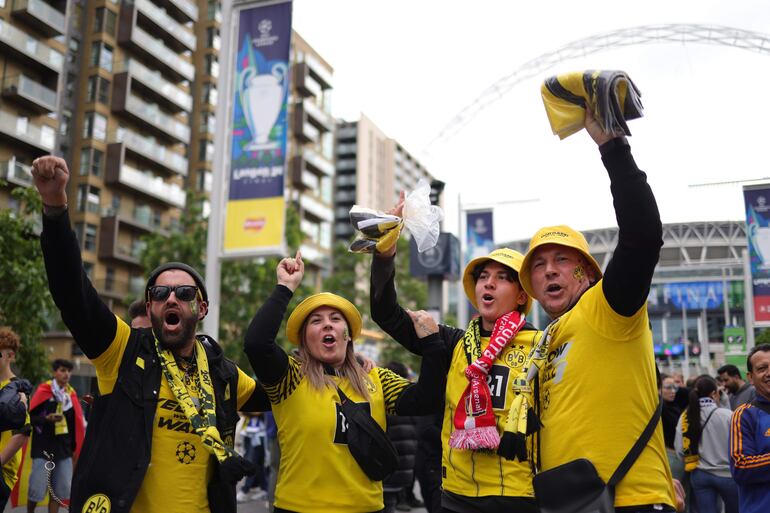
(270, 362)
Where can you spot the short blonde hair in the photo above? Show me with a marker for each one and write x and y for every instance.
(9, 339)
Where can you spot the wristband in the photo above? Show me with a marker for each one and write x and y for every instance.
(51, 211)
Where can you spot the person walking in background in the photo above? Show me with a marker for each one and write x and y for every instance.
(13, 408)
(137, 312)
(254, 448)
(669, 418)
(750, 437)
(59, 429)
(740, 391)
(702, 440)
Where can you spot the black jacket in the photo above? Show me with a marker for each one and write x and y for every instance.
(402, 431)
(118, 442)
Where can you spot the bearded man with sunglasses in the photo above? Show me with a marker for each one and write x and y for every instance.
(160, 435)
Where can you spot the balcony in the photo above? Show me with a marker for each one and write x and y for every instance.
(39, 138)
(110, 245)
(318, 72)
(40, 15)
(154, 84)
(183, 9)
(317, 163)
(303, 129)
(16, 172)
(176, 35)
(304, 83)
(146, 183)
(316, 209)
(145, 149)
(167, 60)
(33, 51)
(315, 115)
(149, 115)
(30, 93)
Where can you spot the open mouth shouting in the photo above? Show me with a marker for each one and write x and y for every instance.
(172, 321)
(329, 341)
(487, 299)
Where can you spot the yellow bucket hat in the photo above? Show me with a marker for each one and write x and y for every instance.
(505, 256)
(563, 236)
(309, 305)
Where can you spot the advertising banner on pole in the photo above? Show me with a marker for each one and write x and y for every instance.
(757, 200)
(479, 235)
(735, 340)
(254, 213)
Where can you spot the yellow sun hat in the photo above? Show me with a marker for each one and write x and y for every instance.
(309, 305)
(561, 235)
(505, 256)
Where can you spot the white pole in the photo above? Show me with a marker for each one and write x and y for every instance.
(748, 303)
(462, 302)
(219, 178)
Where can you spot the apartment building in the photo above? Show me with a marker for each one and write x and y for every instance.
(372, 169)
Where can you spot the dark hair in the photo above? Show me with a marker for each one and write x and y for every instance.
(761, 347)
(61, 362)
(704, 386)
(137, 308)
(730, 370)
(511, 275)
(399, 368)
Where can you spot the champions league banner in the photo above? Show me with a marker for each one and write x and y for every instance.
(757, 199)
(254, 213)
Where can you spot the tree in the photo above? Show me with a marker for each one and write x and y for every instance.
(763, 337)
(25, 303)
(245, 284)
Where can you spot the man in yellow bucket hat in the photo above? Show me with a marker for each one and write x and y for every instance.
(598, 388)
(486, 464)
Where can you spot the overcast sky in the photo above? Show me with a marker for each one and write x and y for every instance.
(411, 65)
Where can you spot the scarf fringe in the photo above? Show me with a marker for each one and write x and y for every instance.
(475, 438)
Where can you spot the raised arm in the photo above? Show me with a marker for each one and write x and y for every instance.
(92, 324)
(628, 276)
(267, 358)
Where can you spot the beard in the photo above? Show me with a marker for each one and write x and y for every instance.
(174, 340)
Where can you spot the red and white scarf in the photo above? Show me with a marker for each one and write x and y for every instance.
(474, 419)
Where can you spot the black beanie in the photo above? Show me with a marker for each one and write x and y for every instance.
(182, 267)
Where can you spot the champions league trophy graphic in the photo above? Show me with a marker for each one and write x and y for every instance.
(261, 100)
(760, 239)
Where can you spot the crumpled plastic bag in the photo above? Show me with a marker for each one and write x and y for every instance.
(378, 231)
(611, 95)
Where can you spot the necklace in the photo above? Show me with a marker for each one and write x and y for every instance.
(187, 364)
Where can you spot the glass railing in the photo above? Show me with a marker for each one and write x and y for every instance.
(30, 46)
(310, 131)
(155, 81)
(316, 208)
(161, 17)
(150, 148)
(315, 112)
(152, 185)
(16, 172)
(42, 11)
(318, 162)
(189, 8)
(163, 53)
(151, 114)
(317, 69)
(32, 89)
(20, 128)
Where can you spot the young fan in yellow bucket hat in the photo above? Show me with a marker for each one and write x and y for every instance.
(479, 474)
(600, 368)
(306, 392)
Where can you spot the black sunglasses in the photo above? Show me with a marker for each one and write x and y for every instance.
(183, 292)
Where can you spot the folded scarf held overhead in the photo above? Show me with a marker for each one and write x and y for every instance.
(610, 94)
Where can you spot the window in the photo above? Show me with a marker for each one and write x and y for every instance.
(109, 278)
(86, 234)
(208, 123)
(212, 65)
(115, 206)
(204, 180)
(98, 89)
(104, 21)
(206, 150)
(91, 161)
(212, 38)
(95, 126)
(209, 93)
(215, 10)
(88, 198)
(101, 55)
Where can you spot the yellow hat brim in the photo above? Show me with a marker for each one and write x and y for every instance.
(561, 236)
(309, 305)
(504, 256)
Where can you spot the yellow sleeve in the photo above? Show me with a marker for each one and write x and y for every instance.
(246, 385)
(108, 363)
(392, 386)
(284, 388)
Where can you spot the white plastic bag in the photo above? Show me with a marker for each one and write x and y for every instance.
(422, 219)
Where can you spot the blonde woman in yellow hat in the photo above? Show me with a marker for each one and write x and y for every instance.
(600, 368)
(317, 473)
(485, 462)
